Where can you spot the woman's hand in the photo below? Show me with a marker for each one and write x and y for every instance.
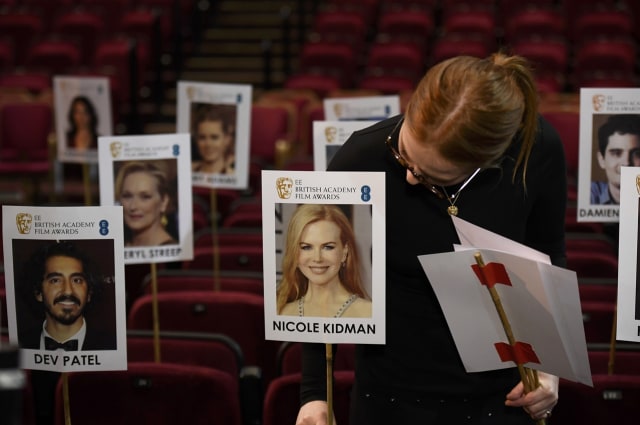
(538, 403)
(313, 413)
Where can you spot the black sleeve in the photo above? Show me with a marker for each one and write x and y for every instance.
(546, 223)
(314, 372)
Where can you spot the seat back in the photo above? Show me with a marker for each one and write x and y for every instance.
(20, 141)
(54, 56)
(335, 59)
(598, 320)
(592, 263)
(82, 26)
(273, 129)
(239, 315)
(607, 55)
(449, 46)
(602, 24)
(231, 258)
(626, 359)
(228, 236)
(612, 400)
(396, 59)
(282, 398)
(589, 241)
(290, 358)
(601, 289)
(341, 26)
(125, 61)
(321, 85)
(170, 280)
(211, 350)
(567, 124)
(387, 84)
(150, 393)
(409, 26)
(24, 26)
(535, 23)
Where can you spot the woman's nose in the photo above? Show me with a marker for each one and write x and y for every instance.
(317, 255)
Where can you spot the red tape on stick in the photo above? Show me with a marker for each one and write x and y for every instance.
(520, 353)
(492, 274)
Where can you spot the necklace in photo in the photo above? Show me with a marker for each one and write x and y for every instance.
(452, 209)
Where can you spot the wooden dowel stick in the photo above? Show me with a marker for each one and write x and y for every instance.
(612, 343)
(214, 241)
(528, 376)
(329, 355)
(155, 313)
(65, 398)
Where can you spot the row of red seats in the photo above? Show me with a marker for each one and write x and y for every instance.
(612, 399)
(393, 53)
(121, 39)
(208, 368)
(613, 382)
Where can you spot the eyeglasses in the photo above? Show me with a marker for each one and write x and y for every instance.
(405, 164)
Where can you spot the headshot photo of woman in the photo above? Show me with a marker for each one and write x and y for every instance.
(83, 124)
(144, 190)
(213, 135)
(321, 269)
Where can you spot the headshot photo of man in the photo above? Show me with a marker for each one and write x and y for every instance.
(60, 285)
(618, 145)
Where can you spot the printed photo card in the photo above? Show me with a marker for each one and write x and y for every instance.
(218, 118)
(609, 140)
(64, 272)
(82, 114)
(150, 177)
(329, 136)
(371, 108)
(628, 320)
(324, 259)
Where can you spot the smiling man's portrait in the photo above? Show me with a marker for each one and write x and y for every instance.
(61, 284)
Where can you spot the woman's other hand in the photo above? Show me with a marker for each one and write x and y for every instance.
(313, 413)
(538, 403)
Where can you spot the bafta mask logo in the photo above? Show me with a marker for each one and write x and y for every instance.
(638, 184)
(599, 102)
(285, 187)
(116, 148)
(330, 134)
(23, 222)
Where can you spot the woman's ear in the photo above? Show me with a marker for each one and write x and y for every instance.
(165, 203)
(345, 254)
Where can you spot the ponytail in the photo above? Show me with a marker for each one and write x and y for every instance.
(523, 77)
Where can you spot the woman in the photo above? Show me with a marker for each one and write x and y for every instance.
(321, 266)
(214, 139)
(83, 124)
(143, 191)
(471, 143)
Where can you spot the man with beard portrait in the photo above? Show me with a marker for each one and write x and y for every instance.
(64, 282)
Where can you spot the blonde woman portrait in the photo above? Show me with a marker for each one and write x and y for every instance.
(321, 266)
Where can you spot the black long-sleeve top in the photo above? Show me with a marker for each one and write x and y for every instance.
(420, 358)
